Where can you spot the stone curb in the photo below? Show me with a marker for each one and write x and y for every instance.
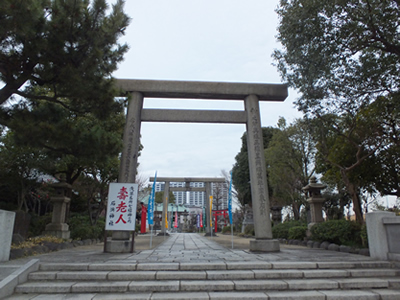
(8, 284)
(326, 246)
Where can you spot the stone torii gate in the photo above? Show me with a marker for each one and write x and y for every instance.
(188, 188)
(250, 93)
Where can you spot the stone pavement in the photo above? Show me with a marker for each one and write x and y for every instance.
(195, 255)
(182, 247)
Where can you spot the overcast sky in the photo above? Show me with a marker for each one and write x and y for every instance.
(200, 40)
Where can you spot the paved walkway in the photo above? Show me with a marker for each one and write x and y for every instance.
(183, 247)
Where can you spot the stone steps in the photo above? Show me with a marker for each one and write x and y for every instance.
(236, 280)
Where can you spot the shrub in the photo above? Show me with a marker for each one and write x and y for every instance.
(341, 232)
(364, 236)
(281, 231)
(297, 232)
(38, 224)
(81, 229)
(249, 230)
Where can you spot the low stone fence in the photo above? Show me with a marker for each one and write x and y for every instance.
(383, 230)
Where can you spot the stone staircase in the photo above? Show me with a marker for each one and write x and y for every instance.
(220, 280)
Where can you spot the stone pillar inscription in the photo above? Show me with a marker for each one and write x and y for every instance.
(258, 178)
(131, 142)
(127, 173)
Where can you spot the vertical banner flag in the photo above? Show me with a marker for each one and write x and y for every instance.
(166, 219)
(201, 220)
(204, 217)
(121, 206)
(150, 206)
(176, 220)
(211, 200)
(198, 221)
(230, 200)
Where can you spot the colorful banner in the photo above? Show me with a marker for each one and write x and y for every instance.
(198, 221)
(166, 219)
(230, 201)
(150, 206)
(121, 206)
(201, 220)
(176, 220)
(204, 217)
(211, 201)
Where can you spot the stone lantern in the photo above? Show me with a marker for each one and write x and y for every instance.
(313, 191)
(58, 227)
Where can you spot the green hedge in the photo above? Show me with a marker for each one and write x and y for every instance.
(341, 232)
(281, 231)
(297, 233)
(81, 229)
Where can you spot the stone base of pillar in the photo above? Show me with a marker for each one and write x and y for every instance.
(268, 245)
(163, 233)
(61, 234)
(209, 234)
(60, 230)
(118, 246)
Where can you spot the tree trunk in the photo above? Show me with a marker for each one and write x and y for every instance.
(352, 189)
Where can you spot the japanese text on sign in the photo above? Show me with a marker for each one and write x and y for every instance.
(121, 206)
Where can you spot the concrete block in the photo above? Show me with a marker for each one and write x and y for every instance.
(374, 264)
(82, 276)
(127, 296)
(64, 267)
(237, 295)
(42, 275)
(157, 266)
(294, 265)
(248, 265)
(19, 276)
(44, 287)
(264, 245)
(373, 273)
(297, 295)
(119, 246)
(112, 267)
(277, 274)
(230, 275)
(7, 286)
(325, 273)
(181, 275)
(65, 297)
(377, 236)
(350, 295)
(154, 286)
(180, 296)
(133, 275)
(392, 226)
(362, 283)
(335, 265)
(387, 294)
(6, 231)
(202, 266)
(100, 287)
(207, 285)
(394, 283)
(312, 284)
(251, 285)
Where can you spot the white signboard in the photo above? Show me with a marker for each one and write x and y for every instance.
(121, 206)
